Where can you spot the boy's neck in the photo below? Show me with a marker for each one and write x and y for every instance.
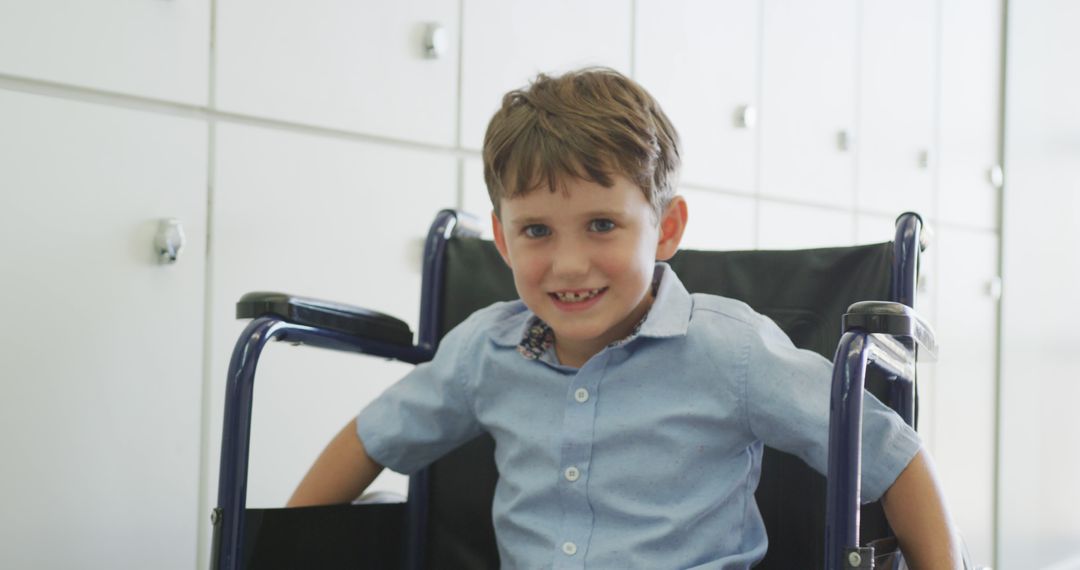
(575, 357)
(576, 354)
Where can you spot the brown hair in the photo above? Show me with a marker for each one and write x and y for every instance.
(589, 124)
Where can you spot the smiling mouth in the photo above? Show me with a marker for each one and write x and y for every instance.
(579, 296)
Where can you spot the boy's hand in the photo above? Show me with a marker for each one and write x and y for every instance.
(916, 511)
(340, 474)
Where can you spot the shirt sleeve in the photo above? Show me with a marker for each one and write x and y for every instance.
(425, 414)
(787, 402)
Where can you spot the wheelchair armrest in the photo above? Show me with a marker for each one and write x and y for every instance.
(316, 313)
(894, 319)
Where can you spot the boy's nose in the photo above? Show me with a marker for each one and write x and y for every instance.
(571, 260)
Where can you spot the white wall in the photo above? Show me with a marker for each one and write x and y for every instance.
(328, 141)
(1040, 440)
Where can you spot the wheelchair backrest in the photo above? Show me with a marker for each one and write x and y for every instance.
(805, 291)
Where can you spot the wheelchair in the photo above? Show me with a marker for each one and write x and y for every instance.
(852, 304)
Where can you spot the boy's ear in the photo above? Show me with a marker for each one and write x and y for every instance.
(500, 239)
(672, 226)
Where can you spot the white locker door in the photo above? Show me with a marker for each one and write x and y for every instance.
(971, 63)
(1039, 432)
(324, 218)
(355, 66)
(719, 221)
(896, 107)
(151, 49)
(101, 352)
(507, 42)
(474, 195)
(965, 388)
(782, 225)
(808, 101)
(700, 60)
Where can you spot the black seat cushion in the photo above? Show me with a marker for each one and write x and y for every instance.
(335, 536)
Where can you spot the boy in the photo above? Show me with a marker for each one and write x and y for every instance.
(629, 416)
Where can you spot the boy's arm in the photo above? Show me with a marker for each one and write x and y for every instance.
(340, 474)
(916, 511)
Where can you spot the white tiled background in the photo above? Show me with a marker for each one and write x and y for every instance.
(305, 146)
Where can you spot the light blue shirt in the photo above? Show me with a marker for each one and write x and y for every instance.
(648, 455)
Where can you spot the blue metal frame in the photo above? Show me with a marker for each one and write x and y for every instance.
(448, 223)
(228, 516)
(856, 349)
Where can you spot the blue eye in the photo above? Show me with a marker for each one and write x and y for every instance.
(536, 231)
(601, 225)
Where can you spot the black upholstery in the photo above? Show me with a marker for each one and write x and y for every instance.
(324, 537)
(806, 292)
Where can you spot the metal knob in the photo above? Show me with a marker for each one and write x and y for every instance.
(845, 141)
(923, 159)
(435, 41)
(746, 116)
(996, 176)
(169, 240)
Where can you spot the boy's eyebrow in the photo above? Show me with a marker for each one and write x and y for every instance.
(526, 220)
(592, 214)
(614, 213)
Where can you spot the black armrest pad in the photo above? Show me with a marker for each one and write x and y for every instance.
(896, 319)
(338, 317)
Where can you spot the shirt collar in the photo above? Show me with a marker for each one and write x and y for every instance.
(669, 316)
(670, 312)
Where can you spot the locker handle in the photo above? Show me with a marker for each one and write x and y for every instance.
(169, 241)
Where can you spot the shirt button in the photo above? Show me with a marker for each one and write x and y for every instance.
(569, 548)
(572, 474)
(581, 395)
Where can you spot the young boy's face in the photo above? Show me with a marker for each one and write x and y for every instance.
(583, 259)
